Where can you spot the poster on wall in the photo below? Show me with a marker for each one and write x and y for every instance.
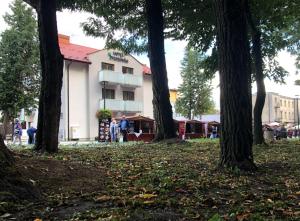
(104, 135)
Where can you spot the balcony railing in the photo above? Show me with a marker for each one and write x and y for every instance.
(112, 77)
(120, 105)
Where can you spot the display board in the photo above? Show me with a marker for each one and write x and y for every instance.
(104, 135)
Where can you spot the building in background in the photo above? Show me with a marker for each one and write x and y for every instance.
(173, 98)
(279, 108)
(96, 79)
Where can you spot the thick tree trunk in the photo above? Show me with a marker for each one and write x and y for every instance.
(161, 98)
(235, 84)
(52, 68)
(12, 186)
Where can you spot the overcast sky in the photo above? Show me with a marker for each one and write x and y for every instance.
(69, 24)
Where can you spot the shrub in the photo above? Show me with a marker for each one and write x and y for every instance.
(103, 114)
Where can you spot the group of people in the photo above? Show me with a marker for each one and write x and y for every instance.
(17, 136)
(117, 129)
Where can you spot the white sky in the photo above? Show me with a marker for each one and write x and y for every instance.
(69, 24)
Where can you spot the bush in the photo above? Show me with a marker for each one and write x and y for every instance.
(103, 114)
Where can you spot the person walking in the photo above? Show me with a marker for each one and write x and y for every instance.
(30, 132)
(124, 126)
(113, 129)
(17, 132)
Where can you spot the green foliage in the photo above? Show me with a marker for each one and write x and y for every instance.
(103, 114)
(216, 217)
(195, 91)
(19, 60)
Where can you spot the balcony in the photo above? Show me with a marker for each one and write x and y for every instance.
(120, 105)
(114, 78)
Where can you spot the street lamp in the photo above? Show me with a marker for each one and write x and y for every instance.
(297, 114)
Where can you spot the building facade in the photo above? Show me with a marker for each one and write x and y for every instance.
(278, 108)
(100, 79)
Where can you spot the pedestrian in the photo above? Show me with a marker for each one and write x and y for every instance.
(214, 131)
(124, 127)
(17, 132)
(113, 129)
(30, 132)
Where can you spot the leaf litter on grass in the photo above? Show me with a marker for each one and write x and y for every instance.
(162, 182)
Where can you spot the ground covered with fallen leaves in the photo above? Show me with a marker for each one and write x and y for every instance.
(161, 181)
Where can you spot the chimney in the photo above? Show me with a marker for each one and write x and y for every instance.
(63, 39)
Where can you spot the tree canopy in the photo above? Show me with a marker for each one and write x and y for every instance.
(195, 91)
(19, 60)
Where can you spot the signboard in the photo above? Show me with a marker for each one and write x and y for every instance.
(104, 135)
(117, 56)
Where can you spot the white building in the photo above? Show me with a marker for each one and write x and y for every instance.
(278, 108)
(94, 79)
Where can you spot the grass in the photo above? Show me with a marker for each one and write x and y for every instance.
(159, 182)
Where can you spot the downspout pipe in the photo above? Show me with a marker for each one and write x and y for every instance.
(68, 99)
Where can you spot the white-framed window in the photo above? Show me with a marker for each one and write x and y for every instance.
(108, 93)
(128, 95)
(107, 66)
(127, 70)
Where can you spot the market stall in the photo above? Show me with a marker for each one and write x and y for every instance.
(213, 125)
(141, 128)
(189, 129)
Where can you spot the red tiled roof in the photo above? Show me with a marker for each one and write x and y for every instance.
(76, 52)
(72, 51)
(146, 69)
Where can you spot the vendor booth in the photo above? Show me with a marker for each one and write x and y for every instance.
(141, 128)
(189, 129)
(213, 125)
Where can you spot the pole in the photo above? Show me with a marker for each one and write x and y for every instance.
(104, 94)
(297, 116)
(68, 98)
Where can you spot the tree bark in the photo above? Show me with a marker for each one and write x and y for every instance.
(5, 124)
(235, 85)
(52, 73)
(165, 128)
(12, 185)
(261, 90)
(259, 78)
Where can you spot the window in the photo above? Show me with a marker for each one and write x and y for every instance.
(281, 114)
(280, 102)
(285, 103)
(127, 70)
(107, 66)
(128, 95)
(108, 93)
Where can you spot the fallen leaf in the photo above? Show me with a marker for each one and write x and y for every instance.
(145, 196)
(37, 219)
(242, 217)
(32, 181)
(149, 202)
(6, 215)
(103, 198)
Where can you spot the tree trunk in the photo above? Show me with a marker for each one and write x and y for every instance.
(161, 98)
(12, 184)
(261, 91)
(5, 124)
(259, 78)
(235, 85)
(52, 72)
